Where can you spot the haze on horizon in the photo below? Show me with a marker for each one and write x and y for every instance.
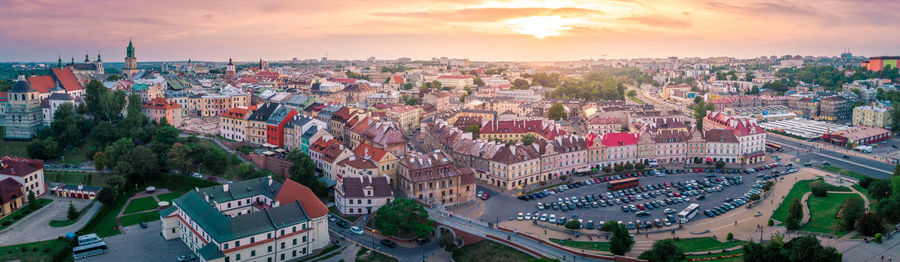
(491, 30)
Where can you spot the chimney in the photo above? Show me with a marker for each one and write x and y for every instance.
(197, 189)
(276, 204)
(225, 187)
(269, 178)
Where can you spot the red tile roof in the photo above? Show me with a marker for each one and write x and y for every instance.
(67, 79)
(10, 189)
(42, 83)
(367, 150)
(344, 80)
(235, 113)
(292, 191)
(19, 166)
(161, 103)
(620, 139)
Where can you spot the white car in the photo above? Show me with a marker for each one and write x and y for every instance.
(544, 217)
(197, 175)
(356, 230)
(535, 216)
(528, 216)
(669, 211)
(520, 216)
(552, 219)
(540, 206)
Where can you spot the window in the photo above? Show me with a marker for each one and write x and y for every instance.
(237, 243)
(252, 239)
(252, 253)
(270, 247)
(237, 257)
(225, 246)
(295, 241)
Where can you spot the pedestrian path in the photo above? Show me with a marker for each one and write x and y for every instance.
(136, 196)
(806, 213)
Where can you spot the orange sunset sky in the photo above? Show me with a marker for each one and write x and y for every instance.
(522, 30)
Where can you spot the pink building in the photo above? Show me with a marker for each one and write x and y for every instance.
(621, 147)
(159, 108)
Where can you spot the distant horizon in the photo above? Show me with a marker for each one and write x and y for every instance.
(479, 30)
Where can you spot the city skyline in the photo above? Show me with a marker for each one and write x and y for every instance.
(479, 30)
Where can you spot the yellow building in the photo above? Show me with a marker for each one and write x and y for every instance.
(871, 116)
(406, 116)
(12, 196)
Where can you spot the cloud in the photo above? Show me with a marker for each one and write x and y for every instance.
(491, 14)
(658, 21)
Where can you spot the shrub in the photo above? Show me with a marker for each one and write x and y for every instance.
(7, 223)
(698, 160)
(542, 183)
(607, 169)
(771, 222)
(563, 177)
(729, 237)
(865, 182)
(878, 238)
(754, 197)
(629, 166)
(818, 189)
(573, 224)
(870, 224)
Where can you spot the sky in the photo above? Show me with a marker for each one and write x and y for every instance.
(484, 30)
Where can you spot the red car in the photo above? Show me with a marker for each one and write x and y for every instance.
(485, 196)
(641, 206)
(212, 179)
(677, 194)
(667, 184)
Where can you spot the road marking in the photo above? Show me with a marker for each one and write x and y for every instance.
(845, 161)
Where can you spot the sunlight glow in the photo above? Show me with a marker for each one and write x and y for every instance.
(542, 26)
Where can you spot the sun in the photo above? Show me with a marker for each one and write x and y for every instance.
(542, 26)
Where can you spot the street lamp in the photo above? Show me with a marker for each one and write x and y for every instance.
(373, 239)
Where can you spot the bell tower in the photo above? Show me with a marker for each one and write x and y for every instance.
(130, 61)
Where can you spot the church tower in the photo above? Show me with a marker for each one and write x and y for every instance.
(99, 64)
(230, 73)
(23, 117)
(130, 61)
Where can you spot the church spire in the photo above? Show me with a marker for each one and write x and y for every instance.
(129, 51)
(98, 58)
(86, 59)
(59, 61)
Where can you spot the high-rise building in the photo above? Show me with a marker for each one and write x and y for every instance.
(130, 61)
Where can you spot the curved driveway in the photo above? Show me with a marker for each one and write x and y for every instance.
(36, 227)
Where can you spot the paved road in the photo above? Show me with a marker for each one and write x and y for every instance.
(479, 229)
(36, 227)
(861, 165)
(403, 252)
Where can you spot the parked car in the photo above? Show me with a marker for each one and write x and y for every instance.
(388, 243)
(184, 258)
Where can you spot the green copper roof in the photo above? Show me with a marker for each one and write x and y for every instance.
(140, 87)
(129, 52)
(210, 252)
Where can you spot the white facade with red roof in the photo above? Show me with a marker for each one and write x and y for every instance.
(751, 137)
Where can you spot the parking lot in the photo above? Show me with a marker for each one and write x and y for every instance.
(141, 244)
(684, 188)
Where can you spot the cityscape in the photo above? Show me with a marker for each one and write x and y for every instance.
(437, 131)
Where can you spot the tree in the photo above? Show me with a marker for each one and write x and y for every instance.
(631, 93)
(303, 171)
(663, 251)
(818, 189)
(107, 195)
(557, 112)
(880, 189)
(621, 241)
(889, 208)
(619, 168)
(808, 248)
(895, 117)
(144, 163)
(754, 197)
(639, 166)
(795, 214)
(629, 166)
(870, 224)
(520, 84)
(477, 81)
(700, 110)
(865, 181)
(449, 243)
(94, 94)
(32, 201)
(729, 237)
(720, 164)
(475, 129)
(412, 101)
(573, 224)
(749, 78)
(179, 158)
(607, 169)
(71, 214)
(854, 209)
(403, 215)
(528, 139)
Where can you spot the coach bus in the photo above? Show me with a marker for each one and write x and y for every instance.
(685, 215)
(84, 251)
(772, 147)
(88, 239)
(623, 183)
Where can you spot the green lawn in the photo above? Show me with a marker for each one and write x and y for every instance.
(487, 250)
(75, 178)
(800, 188)
(362, 256)
(13, 148)
(636, 100)
(36, 251)
(823, 210)
(22, 212)
(138, 218)
(104, 222)
(586, 245)
(168, 196)
(700, 244)
(843, 171)
(733, 259)
(141, 204)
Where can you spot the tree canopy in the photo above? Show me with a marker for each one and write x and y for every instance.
(403, 215)
(557, 112)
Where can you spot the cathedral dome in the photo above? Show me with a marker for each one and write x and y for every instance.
(22, 87)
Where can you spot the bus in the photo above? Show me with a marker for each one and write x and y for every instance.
(772, 147)
(623, 183)
(88, 250)
(88, 239)
(685, 215)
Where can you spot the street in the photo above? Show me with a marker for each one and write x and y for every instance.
(403, 252)
(861, 165)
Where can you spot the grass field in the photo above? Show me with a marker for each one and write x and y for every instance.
(138, 218)
(13, 148)
(732, 259)
(586, 245)
(704, 244)
(800, 188)
(104, 222)
(168, 196)
(140, 204)
(843, 171)
(75, 178)
(823, 210)
(35, 251)
(487, 250)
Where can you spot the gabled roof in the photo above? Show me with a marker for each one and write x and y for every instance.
(19, 166)
(161, 103)
(67, 79)
(10, 189)
(368, 151)
(235, 113)
(355, 186)
(264, 112)
(620, 139)
(292, 191)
